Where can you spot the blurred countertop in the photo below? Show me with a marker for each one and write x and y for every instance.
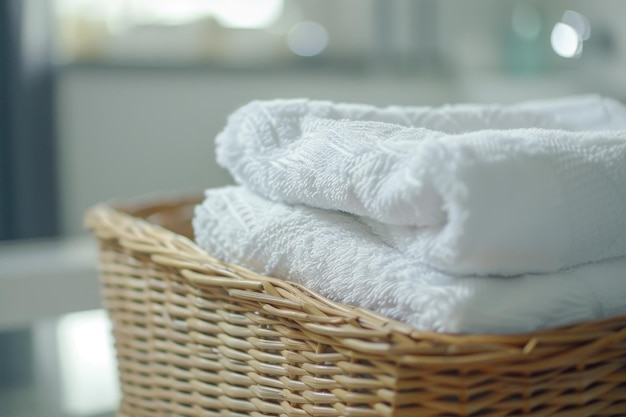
(46, 278)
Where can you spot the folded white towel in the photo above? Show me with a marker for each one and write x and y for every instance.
(508, 201)
(339, 256)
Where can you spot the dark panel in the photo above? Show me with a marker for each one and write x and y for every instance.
(28, 185)
(6, 116)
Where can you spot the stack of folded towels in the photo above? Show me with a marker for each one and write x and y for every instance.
(461, 218)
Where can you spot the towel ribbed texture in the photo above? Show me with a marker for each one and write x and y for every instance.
(505, 200)
(338, 256)
(463, 218)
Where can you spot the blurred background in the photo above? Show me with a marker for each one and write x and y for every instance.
(120, 98)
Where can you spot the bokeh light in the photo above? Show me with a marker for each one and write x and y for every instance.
(307, 38)
(568, 35)
(565, 41)
(579, 22)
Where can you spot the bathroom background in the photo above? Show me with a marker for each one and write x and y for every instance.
(124, 97)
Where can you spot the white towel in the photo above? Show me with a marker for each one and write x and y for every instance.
(339, 256)
(509, 200)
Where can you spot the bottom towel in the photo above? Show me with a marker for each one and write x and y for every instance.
(339, 256)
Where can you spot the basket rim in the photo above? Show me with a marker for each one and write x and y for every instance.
(126, 221)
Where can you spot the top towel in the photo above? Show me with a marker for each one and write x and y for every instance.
(467, 189)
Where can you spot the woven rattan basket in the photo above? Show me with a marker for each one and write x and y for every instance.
(197, 337)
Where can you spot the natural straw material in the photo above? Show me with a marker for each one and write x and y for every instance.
(197, 337)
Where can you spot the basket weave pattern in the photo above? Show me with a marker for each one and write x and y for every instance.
(197, 337)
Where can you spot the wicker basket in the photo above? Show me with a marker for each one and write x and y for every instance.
(197, 337)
